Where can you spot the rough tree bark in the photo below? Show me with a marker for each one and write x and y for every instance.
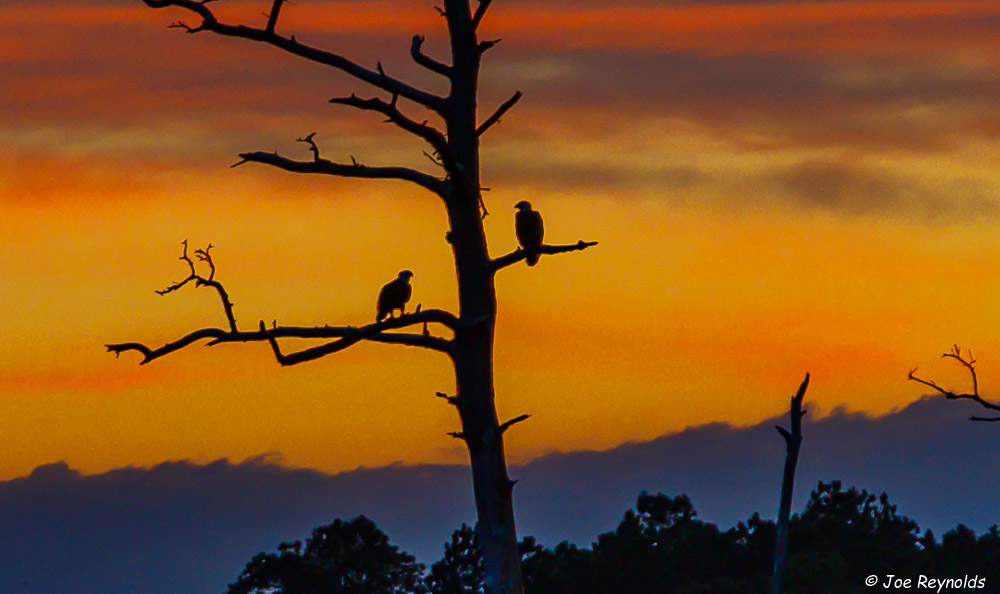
(970, 364)
(456, 151)
(793, 441)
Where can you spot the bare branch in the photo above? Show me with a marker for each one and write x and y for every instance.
(426, 61)
(956, 353)
(185, 26)
(452, 400)
(312, 145)
(508, 424)
(970, 364)
(482, 205)
(488, 44)
(200, 281)
(435, 160)
(480, 13)
(272, 17)
(311, 354)
(795, 414)
(355, 169)
(346, 335)
(520, 254)
(504, 108)
(291, 45)
(432, 135)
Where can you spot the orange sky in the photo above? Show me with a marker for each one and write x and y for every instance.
(777, 188)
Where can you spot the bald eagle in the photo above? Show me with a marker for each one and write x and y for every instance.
(394, 295)
(528, 225)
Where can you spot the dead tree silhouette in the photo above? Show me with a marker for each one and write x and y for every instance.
(793, 441)
(456, 150)
(970, 364)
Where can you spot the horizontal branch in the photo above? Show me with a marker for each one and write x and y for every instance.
(499, 113)
(520, 254)
(311, 354)
(291, 45)
(487, 45)
(426, 61)
(323, 166)
(347, 335)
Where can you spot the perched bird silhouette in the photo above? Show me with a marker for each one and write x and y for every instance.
(529, 228)
(394, 295)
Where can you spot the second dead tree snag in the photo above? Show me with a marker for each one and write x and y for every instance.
(969, 363)
(793, 442)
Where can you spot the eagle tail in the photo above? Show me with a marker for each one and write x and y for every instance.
(532, 258)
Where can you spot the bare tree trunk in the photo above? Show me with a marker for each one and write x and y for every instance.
(477, 301)
(496, 532)
(793, 441)
(481, 429)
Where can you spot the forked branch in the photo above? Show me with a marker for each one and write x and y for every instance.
(795, 414)
(346, 336)
(970, 364)
(200, 281)
(520, 254)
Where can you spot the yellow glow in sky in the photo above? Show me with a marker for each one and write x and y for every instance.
(767, 206)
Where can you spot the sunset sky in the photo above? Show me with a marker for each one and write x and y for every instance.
(777, 187)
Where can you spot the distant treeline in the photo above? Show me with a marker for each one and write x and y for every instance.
(842, 538)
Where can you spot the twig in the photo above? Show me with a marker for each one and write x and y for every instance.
(200, 281)
(504, 108)
(970, 364)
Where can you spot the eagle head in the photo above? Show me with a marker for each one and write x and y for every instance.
(406, 275)
(523, 206)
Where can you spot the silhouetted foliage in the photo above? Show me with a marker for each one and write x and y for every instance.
(659, 547)
(845, 536)
(960, 552)
(460, 571)
(352, 557)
